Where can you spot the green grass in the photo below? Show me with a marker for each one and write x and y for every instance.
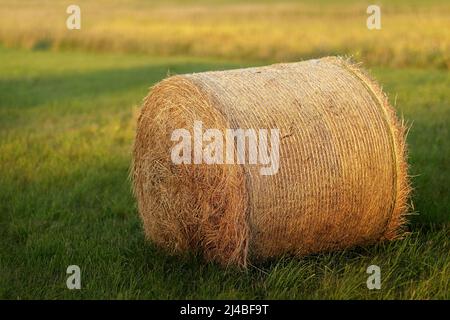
(66, 129)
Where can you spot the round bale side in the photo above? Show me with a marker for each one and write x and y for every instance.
(342, 178)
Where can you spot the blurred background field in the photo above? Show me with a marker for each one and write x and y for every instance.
(414, 33)
(68, 105)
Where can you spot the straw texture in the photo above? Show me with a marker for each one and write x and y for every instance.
(342, 179)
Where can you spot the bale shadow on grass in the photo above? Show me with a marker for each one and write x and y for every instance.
(27, 92)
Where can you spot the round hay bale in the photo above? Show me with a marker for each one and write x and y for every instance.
(342, 177)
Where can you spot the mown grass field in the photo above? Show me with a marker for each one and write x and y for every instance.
(67, 121)
(67, 124)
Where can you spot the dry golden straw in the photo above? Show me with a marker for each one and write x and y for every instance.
(342, 178)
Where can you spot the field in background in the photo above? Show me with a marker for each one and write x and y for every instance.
(414, 33)
(68, 105)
